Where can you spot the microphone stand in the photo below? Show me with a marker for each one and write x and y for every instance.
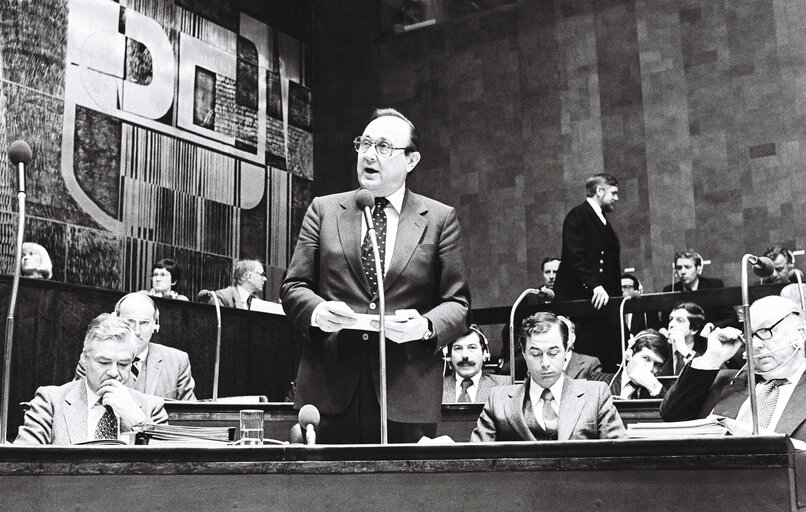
(13, 304)
(800, 291)
(524, 293)
(623, 335)
(748, 340)
(217, 365)
(381, 329)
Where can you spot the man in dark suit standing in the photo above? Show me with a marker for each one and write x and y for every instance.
(331, 279)
(590, 268)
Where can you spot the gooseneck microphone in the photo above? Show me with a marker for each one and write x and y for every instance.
(309, 419)
(762, 265)
(206, 296)
(20, 155)
(364, 200)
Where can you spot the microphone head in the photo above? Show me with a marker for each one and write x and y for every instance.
(364, 199)
(204, 295)
(548, 293)
(309, 415)
(763, 266)
(295, 435)
(20, 151)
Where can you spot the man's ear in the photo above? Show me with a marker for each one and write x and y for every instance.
(413, 160)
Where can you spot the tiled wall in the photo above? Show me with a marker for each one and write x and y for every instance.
(697, 107)
(125, 171)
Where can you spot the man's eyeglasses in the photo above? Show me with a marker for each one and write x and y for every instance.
(765, 333)
(382, 147)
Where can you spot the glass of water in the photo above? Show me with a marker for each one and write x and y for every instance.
(251, 426)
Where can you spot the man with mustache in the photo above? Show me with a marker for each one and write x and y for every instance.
(469, 383)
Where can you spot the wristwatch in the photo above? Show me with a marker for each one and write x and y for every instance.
(429, 332)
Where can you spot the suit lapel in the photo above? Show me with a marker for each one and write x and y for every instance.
(794, 414)
(236, 298)
(448, 389)
(735, 394)
(513, 412)
(485, 384)
(574, 365)
(409, 232)
(75, 412)
(349, 226)
(154, 367)
(571, 406)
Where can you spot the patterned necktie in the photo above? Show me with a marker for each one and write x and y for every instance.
(767, 393)
(549, 416)
(108, 425)
(367, 259)
(464, 396)
(135, 368)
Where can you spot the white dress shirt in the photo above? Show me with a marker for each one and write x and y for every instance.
(597, 209)
(536, 396)
(472, 390)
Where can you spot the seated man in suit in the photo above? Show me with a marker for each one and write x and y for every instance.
(157, 369)
(248, 280)
(98, 405)
(783, 262)
(577, 366)
(779, 330)
(548, 405)
(468, 383)
(645, 358)
(637, 322)
(688, 268)
(686, 322)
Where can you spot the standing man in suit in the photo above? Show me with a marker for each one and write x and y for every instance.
(99, 405)
(157, 369)
(329, 282)
(688, 268)
(468, 383)
(248, 279)
(779, 331)
(548, 405)
(591, 268)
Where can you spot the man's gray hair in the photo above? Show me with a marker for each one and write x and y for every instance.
(108, 326)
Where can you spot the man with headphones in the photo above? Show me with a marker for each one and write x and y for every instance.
(157, 370)
(779, 330)
(468, 383)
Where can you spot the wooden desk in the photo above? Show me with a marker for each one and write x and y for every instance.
(458, 420)
(721, 474)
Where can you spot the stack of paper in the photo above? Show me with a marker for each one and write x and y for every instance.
(174, 434)
(710, 426)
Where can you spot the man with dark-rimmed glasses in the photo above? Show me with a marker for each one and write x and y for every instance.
(331, 279)
(779, 331)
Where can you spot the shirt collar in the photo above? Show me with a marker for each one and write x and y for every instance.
(396, 198)
(243, 292)
(92, 396)
(536, 390)
(476, 379)
(595, 206)
(796, 376)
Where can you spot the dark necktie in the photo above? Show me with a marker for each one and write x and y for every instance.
(367, 259)
(549, 416)
(249, 302)
(108, 425)
(135, 369)
(767, 393)
(464, 396)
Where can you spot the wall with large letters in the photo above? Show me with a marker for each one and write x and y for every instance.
(160, 128)
(697, 106)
